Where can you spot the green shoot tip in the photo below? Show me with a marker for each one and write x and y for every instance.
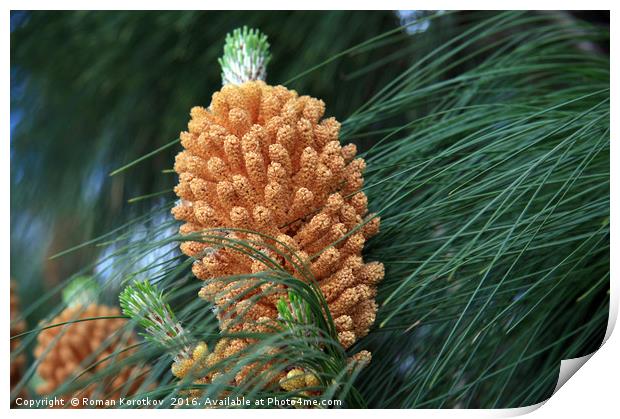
(246, 55)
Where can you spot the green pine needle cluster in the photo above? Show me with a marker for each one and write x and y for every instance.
(146, 305)
(83, 290)
(296, 310)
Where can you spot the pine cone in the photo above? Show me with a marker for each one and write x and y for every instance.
(65, 351)
(262, 159)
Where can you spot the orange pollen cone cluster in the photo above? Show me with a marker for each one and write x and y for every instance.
(67, 351)
(263, 159)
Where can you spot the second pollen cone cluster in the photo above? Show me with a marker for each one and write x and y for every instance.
(67, 352)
